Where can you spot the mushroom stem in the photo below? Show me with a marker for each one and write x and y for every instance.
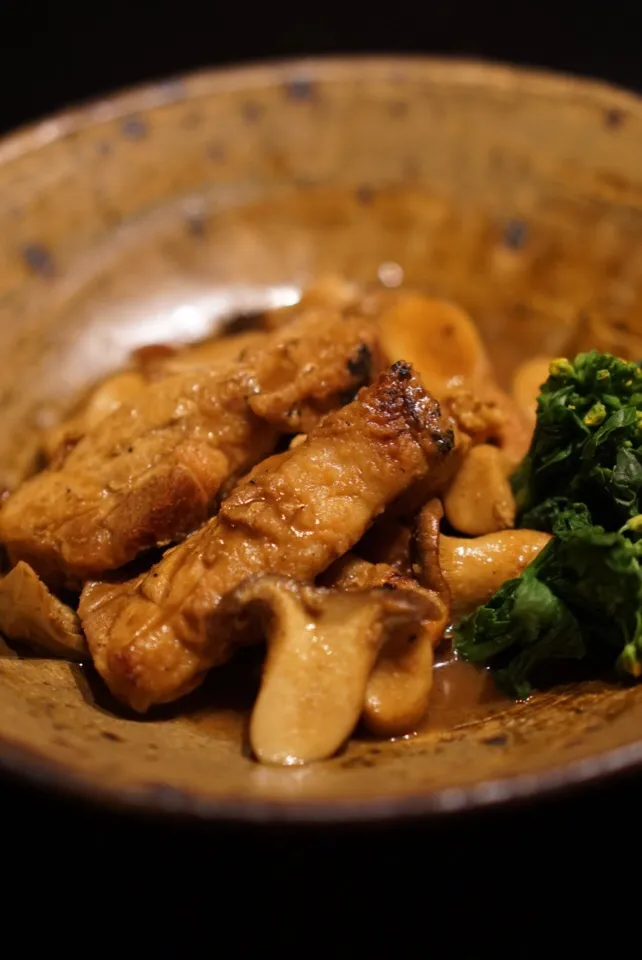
(399, 686)
(475, 569)
(479, 499)
(322, 645)
(31, 613)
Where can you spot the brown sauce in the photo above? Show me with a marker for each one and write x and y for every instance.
(461, 694)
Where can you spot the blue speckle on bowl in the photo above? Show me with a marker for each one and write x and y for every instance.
(300, 88)
(398, 108)
(38, 259)
(216, 151)
(134, 128)
(365, 194)
(252, 111)
(614, 118)
(515, 234)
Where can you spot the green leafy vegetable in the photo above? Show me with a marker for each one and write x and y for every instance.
(587, 444)
(581, 597)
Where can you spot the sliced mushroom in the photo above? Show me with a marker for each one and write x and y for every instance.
(436, 336)
(427, 566)
(322, 645)
(475, 569)
(399, 687)
(527, 382)
(29, 612)
(479, 499)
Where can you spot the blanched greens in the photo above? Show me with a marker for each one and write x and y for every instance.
(587, 444)
(580, 597)
(581, 480)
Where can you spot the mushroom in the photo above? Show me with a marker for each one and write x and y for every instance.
(436, 336)
(29, 612)
(527, 382)
(322, 645)
(479, 499)
(398, 690)
(475, 569)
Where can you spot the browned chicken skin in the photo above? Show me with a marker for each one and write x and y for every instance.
(295, 513)
(150, 473)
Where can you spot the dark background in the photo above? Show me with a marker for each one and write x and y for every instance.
(470, 880)
(53, 54)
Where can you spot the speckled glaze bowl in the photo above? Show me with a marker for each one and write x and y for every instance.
(151, 215)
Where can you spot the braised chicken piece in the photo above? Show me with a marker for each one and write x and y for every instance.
(211, 354)
(388, 541)
(123, 389)
(119, 390)
(331, 293)
(151, 638)
(29, 612)
(150, 473)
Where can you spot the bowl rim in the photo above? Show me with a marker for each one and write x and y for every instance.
(36, 769)
(192, 85)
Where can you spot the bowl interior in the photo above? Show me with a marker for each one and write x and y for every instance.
(153, 216)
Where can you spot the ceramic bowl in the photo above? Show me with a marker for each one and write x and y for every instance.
(153, 215)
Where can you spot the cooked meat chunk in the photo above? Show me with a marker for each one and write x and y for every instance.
(30, 613)
(292, 515)
(388, 541)
(330, 293)
(119, 390)
(216, 352)
(123, 389)
(441, 340)
(150, 473)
